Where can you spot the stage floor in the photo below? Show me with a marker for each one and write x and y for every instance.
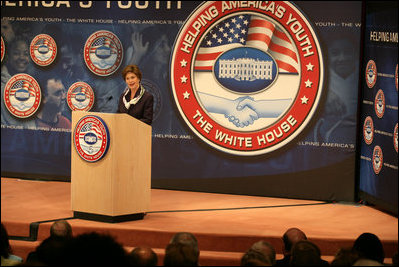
(225, 225)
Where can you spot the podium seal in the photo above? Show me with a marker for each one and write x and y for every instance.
(91, 138)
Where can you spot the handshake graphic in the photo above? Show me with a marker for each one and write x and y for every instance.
(243, 111)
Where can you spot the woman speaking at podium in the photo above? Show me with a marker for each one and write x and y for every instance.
(135, 100)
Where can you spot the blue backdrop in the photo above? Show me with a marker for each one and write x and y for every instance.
(380, 185)
(319, 164)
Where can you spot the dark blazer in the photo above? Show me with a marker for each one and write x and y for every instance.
(143, 110)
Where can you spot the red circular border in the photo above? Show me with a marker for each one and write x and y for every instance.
(32, 50)
(92, 38)
(189, 107)
(69, 96)
(105, 141)
(38, 97)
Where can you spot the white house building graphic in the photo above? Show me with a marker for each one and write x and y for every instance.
(246, 69)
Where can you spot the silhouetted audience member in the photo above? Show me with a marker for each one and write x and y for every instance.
(49, 252)
(290, 237)
(260, 252)
(305, 253)
(178, 254)
(395, 259)
(369, 247)
(61, 228)
(254, 258)
(94, 249)
(345, 257)
(143, 256)
(7, 258)
(186, 238)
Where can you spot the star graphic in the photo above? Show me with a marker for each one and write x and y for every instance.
(304, 100)
(308, 83)
(183, 63)
(183, 79)
(310, 67)
(186, 95)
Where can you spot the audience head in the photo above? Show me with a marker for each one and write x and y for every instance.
(290, 237)
(187, 239)
(305, 253)
(344, 257)
(267, 250)
(395, 259)
(369, 246)
(50, 251)
(5, 243)
(94, 249)
(178, 254)
(254, 258)
(61, 228)
(143, 256)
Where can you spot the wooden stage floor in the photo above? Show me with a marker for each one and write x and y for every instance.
(225, 225)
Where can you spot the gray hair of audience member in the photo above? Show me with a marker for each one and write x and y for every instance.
(186, 238)
(178, 254)
(61, 228)
(305, 253)
(266, 249)
(143, 256)
(254, 258)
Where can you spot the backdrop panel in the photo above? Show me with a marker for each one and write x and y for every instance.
(319, 163)
(379, 144)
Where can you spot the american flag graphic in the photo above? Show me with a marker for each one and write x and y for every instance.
(102, 41)
(22, 85)
(247, 30)
(88, 127)
(82, 90)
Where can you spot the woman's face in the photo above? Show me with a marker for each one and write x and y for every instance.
(132, 81)
(19, 56)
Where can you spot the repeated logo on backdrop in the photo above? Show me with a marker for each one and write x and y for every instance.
(368, 130)
(371, 74)
(22, 95)
(378, 160)
(80, 96)
(103, 53)
(247, 78)
(43, 50)
(379, 104)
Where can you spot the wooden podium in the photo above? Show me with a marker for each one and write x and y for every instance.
(117, 187)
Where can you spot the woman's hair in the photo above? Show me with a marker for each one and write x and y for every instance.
(131, 68)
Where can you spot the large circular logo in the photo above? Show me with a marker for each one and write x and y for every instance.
(371, 73)
(379, 104)
(43, 50)
(103, 53)
(368, 130)
(80, 96)
(378, 160)
(22, 95)
(91, 138)
(247, 79)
